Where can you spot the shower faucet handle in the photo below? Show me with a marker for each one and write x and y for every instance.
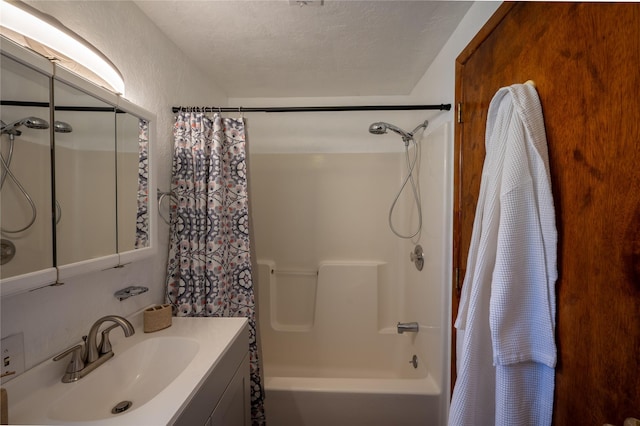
(417, 257)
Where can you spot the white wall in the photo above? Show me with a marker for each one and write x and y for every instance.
(157, 76)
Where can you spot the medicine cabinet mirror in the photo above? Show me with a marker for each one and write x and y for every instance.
(25, 193)
(78, 156)
(85, 175)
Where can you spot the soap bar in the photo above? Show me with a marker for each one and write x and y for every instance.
(157, 318)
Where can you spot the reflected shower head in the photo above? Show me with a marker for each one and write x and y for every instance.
(62, 127)
(30, 122)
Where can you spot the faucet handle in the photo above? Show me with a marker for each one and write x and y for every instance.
(75, 365)
(105, 344)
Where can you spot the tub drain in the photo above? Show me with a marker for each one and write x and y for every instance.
(121, 407)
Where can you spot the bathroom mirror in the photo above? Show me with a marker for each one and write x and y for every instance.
(85, 175)
(91, 195)
(132, 137)
(25, 193)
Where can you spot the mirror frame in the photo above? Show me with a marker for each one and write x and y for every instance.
(58, 273)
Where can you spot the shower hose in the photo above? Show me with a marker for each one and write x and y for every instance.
(416, 195)
(6, 171)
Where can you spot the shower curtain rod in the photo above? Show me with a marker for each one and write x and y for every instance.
(441, 107)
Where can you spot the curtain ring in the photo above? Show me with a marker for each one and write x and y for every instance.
(241, 112)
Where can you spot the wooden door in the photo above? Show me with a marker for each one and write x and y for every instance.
(585, 61)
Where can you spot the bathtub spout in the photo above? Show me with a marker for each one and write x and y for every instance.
(411, 327)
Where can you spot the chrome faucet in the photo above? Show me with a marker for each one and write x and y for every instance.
(85, 360)
(91, 346)
(408, 327)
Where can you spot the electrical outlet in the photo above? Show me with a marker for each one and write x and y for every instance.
(12, 356)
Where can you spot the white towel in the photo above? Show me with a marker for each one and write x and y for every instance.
(507, 308)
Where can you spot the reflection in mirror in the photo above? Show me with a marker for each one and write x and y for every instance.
(70, 129)
(25, 166)
(85, 168)
(132, 188)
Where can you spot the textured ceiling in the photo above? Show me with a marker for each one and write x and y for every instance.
(342, 48)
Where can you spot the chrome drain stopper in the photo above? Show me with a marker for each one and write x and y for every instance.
(121, 407)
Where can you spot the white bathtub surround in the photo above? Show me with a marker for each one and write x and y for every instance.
(340, 365)
(342, 336)
(507, 308)
(335, 281)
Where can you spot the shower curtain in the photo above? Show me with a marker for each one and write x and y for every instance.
(142, 218)
(209, 271)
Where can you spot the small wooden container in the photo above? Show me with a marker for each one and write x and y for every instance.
(4, 407)
(157, 318)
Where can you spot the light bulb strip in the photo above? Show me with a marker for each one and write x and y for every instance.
(46, 30)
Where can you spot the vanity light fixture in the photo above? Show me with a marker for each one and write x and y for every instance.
(45, 35)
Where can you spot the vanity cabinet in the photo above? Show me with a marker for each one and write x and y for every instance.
(224, 396)
(194, 373)
(234, 407)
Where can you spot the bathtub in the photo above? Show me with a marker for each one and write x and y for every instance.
(323, 401)
(330, 361)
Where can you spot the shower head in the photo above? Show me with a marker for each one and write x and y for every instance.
(380, 128)
(62, 127)
(30, 122)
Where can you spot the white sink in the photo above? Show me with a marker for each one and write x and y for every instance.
(136, 375)
(158, 372)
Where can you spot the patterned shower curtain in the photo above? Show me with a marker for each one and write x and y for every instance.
(209, 270)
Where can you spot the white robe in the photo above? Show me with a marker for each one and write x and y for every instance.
(507, 354)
